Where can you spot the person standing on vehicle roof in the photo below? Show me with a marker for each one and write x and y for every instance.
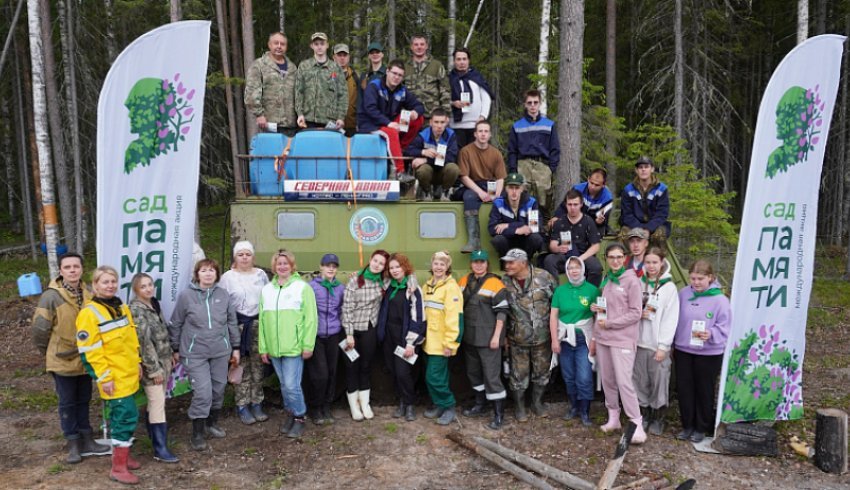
(352, 81)
(482, 177)
(384, 102)
(435, 157)
(645, 203)
(54, 334)
(512, 219)
(270, 87)
(471, 97)
(534, 150)
(376, 69)
(321, 94)
(426, 76)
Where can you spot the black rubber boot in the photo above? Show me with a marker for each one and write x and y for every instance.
(88, 446)
(297, 428)
(198, 439)
(646, 415)
(537, 406)
(656, 427)
(498, 415)
(519, 405)
(73, 452)
(573, 411)
(399, 412)
(212, 428)
(480, 407)
(584, 412)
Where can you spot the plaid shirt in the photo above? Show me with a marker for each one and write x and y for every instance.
(360, 306)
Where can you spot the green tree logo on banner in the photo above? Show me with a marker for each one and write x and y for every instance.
(160, 114)
(799, 116)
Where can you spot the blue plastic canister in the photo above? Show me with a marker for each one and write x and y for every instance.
(317, 143)
(369, 145)
(264, 181)
(29, 284)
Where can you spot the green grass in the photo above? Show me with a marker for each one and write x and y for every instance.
(56, 468)
(29, 373)
(421, 439)
(249, 451)
(391, 428)
(12, 398)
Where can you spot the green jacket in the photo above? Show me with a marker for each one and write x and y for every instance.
(54, 328)
(429, 82)
(288, 318)
(321, 93)
(269, 94)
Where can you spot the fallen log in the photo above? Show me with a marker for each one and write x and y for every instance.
(613, 468)
(564, 478)
(831, 440)
(634, 484)
(501, 462)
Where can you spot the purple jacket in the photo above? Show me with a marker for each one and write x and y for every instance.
(717, 314)
(329, 308)
(625, 306)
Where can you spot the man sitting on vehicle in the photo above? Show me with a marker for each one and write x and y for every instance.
(515, 219)
(434, 152)
(638, 242)
(574, 236)
(384, 102)
(645, 203)
(597, 201)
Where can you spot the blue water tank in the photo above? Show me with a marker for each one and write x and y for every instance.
(261, 171)
(29, 284)
(369, 145)
(313, 143)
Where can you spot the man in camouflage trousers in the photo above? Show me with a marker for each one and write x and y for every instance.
(321, 93)
(270, 87)
(427, 78)
(529, 340)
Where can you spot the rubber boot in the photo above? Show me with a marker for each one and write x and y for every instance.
(316, 416)
(159, 439)
(399, 412)
(656, 427)
(584, 412)
(646, 416)
(498, 415)
(480, 407)
(212, 428)
(354, 404)
(409, 413)
(473, 230)
(432, 412)
(537, 406)
(639, 436)
(613, 422)
(297, 428)
(326, 413)
(88, 446)
(198, 439)
(245, 415)
(119, 471)
(574, 408)
(257, 412)
(447, 417)
(73, 452)
(363, 395)
(519, 405)
(288, 422)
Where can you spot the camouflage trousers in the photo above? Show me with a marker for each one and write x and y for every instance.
(250, 390)
(538, 178)
(529, 363)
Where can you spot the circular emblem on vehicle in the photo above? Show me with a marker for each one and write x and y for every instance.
(369, 225)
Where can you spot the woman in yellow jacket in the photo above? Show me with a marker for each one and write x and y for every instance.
(443, 303)
(109, 349)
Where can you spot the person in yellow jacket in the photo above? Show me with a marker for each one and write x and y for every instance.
(109, 349)
(443, 303)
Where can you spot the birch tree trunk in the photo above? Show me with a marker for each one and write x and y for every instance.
(176, 11)
(39, 97)
(611, 79)
(802, 20)
(281, 12)
(66, 29)
(228, 93)
(57, 142)
(543, 54)
(111, 45)
(248, 55)
(679, 74)
(569, 97)
(475, 21)
(451, 34)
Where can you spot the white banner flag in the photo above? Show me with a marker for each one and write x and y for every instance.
(149, 120)
(762, 374)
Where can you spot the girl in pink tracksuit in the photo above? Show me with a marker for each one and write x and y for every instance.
(615, 339)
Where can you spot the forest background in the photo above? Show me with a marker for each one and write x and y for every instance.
(678, 80)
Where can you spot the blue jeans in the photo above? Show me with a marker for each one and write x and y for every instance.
(576, 369)
(74, 396)
(289, 371)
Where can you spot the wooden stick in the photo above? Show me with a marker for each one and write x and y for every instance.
(634, 484)
(501, 462)
(613, 468)
(567, 479)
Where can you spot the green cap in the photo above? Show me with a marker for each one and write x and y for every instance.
(480, 255)
(515, 178)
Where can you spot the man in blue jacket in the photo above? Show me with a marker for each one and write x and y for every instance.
(534, 150)
(597, 201)
(434, 152)
(383, 102)
(645, 203)
(515, 219)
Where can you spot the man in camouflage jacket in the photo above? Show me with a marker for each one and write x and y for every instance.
(529, 340)
(270, 87)
(427, 77)
(321, 93)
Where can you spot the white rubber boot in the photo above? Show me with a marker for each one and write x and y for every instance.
(354, 404)
(364, 404)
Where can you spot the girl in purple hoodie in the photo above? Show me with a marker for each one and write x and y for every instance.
(705, 319)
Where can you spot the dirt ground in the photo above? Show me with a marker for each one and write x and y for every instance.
(386, 452)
